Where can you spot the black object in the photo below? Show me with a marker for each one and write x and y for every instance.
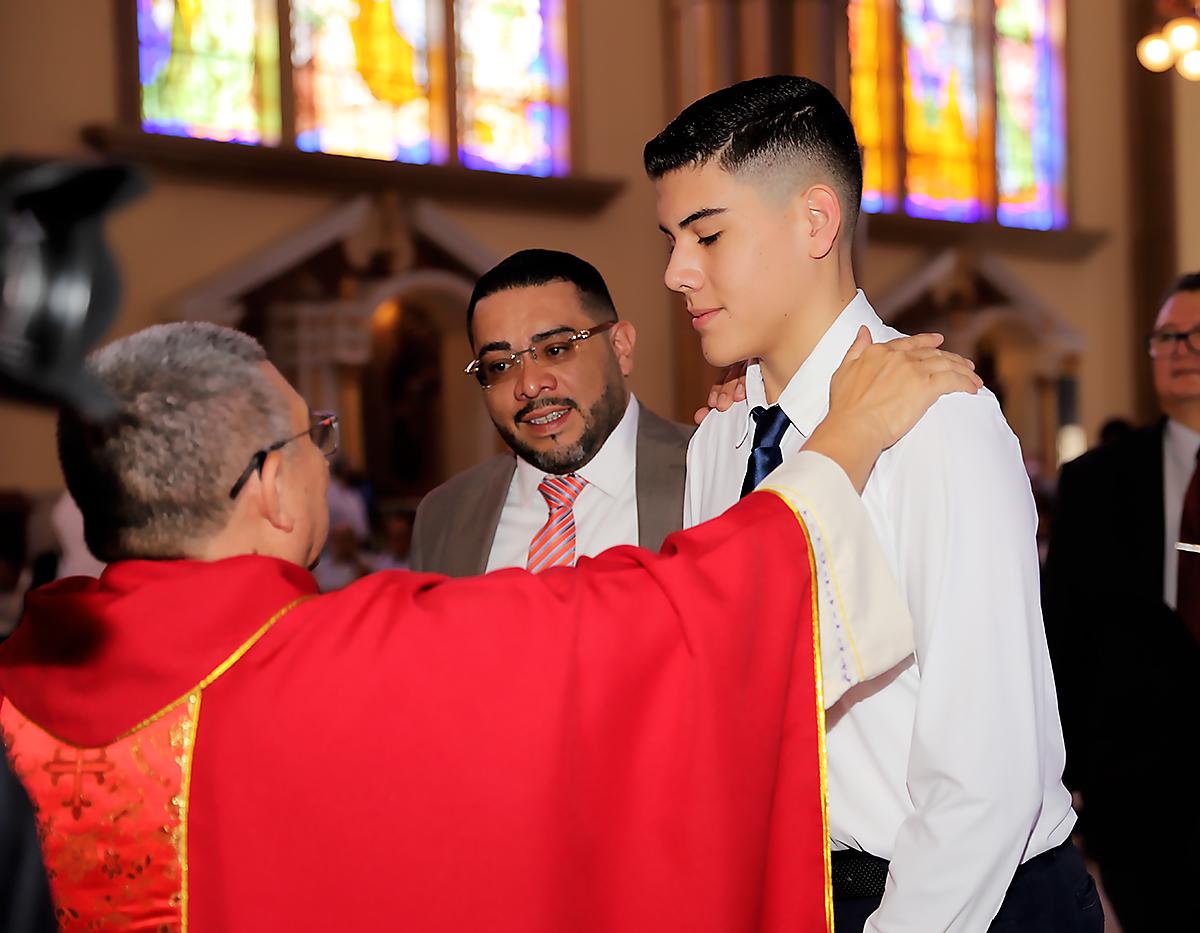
(59, 293)
(25, 904)
(857, 874)
(59, 287)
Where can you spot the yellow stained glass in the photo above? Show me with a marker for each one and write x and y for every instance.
(873, 99)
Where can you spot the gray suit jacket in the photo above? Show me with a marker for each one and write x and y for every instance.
(456, 523)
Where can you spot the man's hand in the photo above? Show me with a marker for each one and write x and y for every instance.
(880, 391)
(730, 387)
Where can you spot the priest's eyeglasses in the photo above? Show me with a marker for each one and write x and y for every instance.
(323, 431)
(1164, 342)
(498, 366)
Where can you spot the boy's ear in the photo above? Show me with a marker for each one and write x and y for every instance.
(624, 337)
(822, 220)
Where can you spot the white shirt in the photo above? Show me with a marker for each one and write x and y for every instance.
(1180, 444)
(950, 765)
(605, 512)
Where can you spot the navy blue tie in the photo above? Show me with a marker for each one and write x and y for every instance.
(770, 424)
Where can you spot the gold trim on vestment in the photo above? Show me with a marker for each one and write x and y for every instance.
(219, 669)
(185, 804)
(821, 758)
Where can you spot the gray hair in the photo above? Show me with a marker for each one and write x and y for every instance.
(194, 405)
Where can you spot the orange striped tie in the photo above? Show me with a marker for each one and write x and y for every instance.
(554, 544)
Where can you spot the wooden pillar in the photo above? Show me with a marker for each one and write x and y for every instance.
(1150, 132)
(820, 43)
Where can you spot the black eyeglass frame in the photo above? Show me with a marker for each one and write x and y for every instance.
(320, 419)
(1190, 338)
(475, 367)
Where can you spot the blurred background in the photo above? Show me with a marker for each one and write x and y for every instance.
(332, 175)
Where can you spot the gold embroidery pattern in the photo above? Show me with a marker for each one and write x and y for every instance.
(113, 820)
(114, 844)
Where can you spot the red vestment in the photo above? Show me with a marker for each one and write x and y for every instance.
(632, 745)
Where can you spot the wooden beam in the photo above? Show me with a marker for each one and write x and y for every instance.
(263, 166)
(937, 234)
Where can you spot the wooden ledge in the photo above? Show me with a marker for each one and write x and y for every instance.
(258, 166)
(1042, 244)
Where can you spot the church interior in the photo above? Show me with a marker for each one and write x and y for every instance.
(331, 176)
(1026, 186)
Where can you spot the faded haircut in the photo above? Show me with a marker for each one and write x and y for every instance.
(778, 124)
(194, 405)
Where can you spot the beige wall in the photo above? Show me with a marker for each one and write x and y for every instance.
(1093, 296)
(185, 231)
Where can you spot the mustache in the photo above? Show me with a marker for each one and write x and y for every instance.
(544, 403)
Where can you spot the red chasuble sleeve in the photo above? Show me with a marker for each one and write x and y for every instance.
(632, 745)
(628, 746)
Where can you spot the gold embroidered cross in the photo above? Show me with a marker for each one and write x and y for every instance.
(82, 765)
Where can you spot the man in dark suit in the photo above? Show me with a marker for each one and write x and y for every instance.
(589, 467)
(1123, 624)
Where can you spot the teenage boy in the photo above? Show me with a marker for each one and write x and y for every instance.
(946, 805)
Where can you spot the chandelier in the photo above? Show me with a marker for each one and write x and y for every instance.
(1177, 43)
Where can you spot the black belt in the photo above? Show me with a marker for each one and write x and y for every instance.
(857, 874)
(861, 874)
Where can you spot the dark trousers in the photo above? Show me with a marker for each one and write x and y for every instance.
(1052, 893)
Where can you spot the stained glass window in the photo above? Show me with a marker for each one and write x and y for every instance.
(872, 91)
(976, 139)
(512, 76)
(362, 79)
(1030, 131)
(210, 69)
(941, 112)
(369, 78)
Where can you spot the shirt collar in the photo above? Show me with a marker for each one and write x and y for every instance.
(610, 470)
(1182, 443)
(805, 399)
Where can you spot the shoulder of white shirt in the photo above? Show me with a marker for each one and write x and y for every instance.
(721, 426)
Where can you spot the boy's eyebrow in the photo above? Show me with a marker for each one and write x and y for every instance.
(700, 215)
(692, 218)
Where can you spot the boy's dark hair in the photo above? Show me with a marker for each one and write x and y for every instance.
(761, 122)
(532, 267)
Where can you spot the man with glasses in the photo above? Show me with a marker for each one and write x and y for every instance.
(634, 744)
(1120, 594)
(590, 468)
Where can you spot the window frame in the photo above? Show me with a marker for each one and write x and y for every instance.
(285, 164)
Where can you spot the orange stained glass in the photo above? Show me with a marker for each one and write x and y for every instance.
(873, 105)
(941, 113)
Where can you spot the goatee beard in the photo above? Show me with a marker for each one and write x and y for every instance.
(598, 423)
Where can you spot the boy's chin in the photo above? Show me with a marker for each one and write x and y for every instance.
(717, 354)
